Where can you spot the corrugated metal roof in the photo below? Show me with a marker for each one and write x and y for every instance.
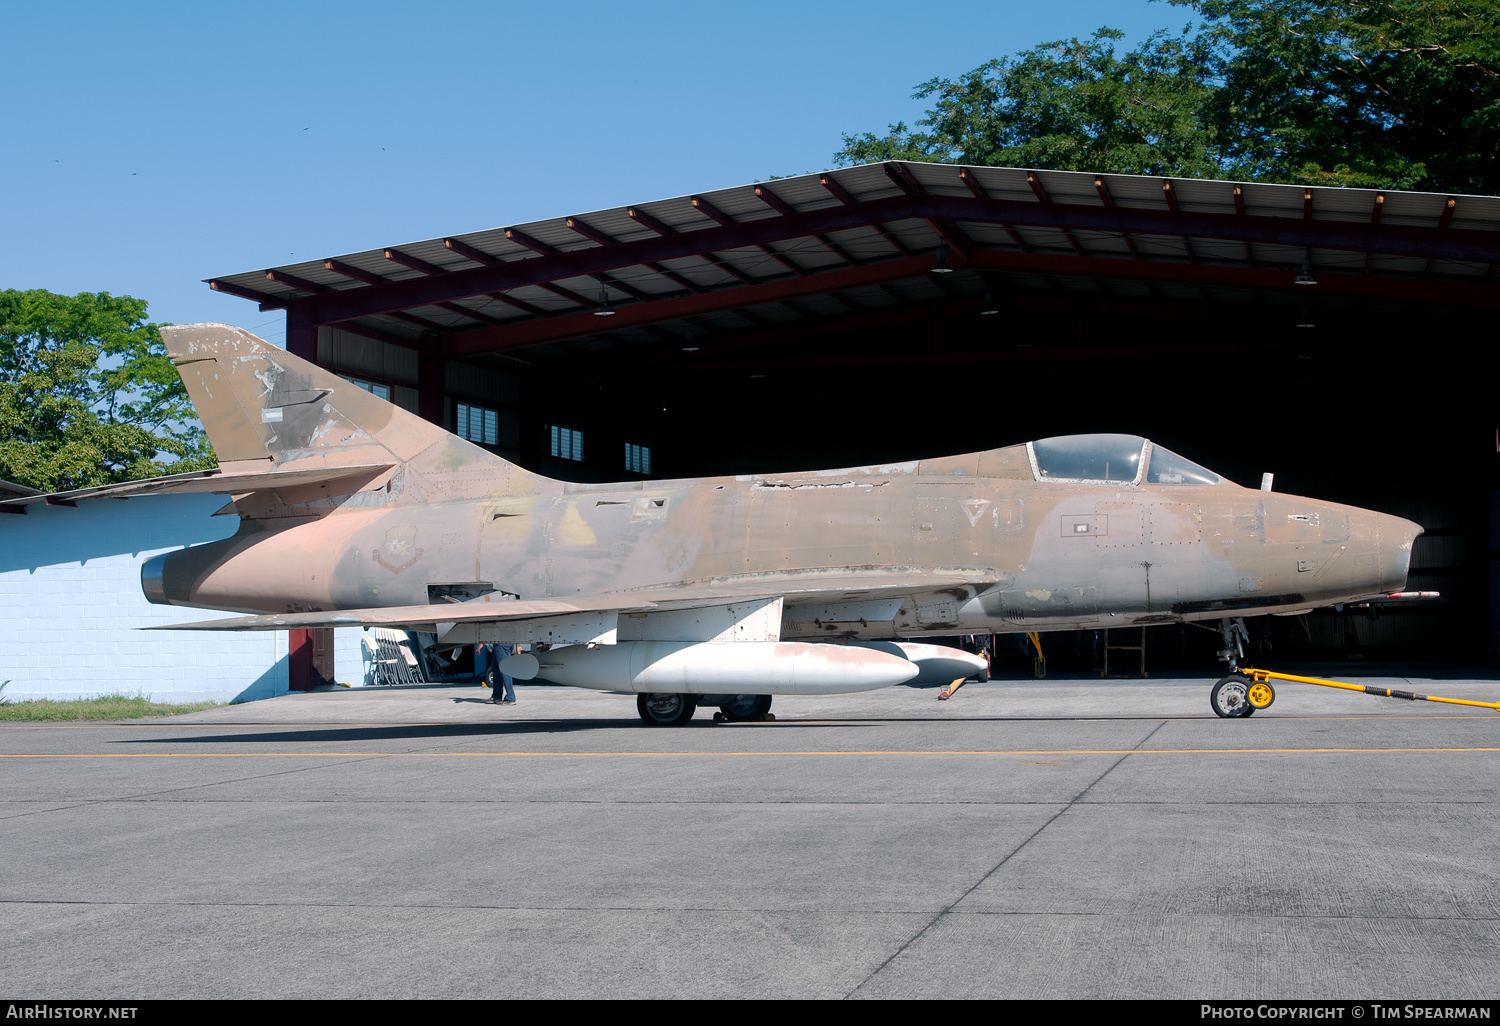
(1074, 228)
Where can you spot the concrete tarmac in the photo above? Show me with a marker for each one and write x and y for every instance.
(1034, 839)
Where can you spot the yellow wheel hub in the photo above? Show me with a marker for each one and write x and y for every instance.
(1261, 694)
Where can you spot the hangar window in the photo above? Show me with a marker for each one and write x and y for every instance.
(1105, 458)
(637, 458)
(375, 388)
(567, 443)
(1169, 468)
(477, 424)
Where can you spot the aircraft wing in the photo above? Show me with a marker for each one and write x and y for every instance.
(834, 584)
(354, 478)
(853, 593)
(425, 617)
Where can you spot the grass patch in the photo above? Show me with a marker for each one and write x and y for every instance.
(105, 707)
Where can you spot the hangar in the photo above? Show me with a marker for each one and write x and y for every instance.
(1330, 336)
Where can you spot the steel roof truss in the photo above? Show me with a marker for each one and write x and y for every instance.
(1453, 244)
(593, 234)
(667, 231)
(265, 299)
(843, 196)
(703, 206)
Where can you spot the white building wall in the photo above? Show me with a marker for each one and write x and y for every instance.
(71, 609)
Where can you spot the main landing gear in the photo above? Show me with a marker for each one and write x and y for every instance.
(663, 710)
(745, 709)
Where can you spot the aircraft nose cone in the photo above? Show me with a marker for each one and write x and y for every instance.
(1397, 536)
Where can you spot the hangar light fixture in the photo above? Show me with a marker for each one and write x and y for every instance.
(604, 309)
(1305, 278)
(941, 267)
(989, 306)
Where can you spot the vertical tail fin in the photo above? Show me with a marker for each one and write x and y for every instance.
(258, 403)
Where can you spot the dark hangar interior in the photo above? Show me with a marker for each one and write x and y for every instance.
(1331, 336)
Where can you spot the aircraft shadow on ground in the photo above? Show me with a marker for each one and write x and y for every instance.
(434, 731)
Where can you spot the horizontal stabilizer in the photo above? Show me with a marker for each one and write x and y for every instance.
(425, 617)
(341, 481)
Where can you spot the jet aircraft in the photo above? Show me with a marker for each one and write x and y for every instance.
(719, 591)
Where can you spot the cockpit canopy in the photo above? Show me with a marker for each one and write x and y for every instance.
(1112, 459)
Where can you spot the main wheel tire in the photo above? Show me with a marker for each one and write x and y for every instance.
(1230, 697)
(746, 708)
(665, 710)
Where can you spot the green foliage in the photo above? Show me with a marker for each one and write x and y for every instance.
(105, 707)
(1394, 94)
(88, 395)
(1399, 94)
(1070, 105)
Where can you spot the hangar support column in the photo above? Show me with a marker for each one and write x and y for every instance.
(302, 332)
(309, 652)
(432, 377)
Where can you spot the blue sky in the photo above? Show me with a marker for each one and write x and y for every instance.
(150, 146)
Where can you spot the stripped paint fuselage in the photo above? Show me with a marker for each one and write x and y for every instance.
(983, 541)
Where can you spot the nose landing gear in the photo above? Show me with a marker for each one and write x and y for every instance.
(1230, 697)
(1244, 691)
(1235, 634)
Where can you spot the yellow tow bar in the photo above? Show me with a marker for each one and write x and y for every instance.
(1248, 689)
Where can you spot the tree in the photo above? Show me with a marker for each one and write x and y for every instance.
(1069, 105)
(1389, 94)
(88, 395)
(1395, 94)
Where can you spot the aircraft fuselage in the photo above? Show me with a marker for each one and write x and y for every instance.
(1045, 554)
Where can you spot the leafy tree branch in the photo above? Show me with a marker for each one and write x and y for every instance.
(88, 395)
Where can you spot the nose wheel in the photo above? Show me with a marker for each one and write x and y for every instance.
(1231, 697)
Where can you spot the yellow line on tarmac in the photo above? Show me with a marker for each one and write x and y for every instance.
(735, 754)
(1278, 716)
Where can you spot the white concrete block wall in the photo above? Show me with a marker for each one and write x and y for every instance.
(348, 658)
(71, 609)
